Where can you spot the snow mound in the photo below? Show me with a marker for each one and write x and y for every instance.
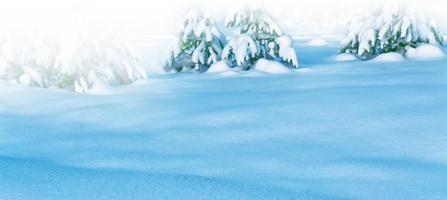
(219, 67)
(344, 57)
(389, 57)
(271, 67)
(317, 42)
(425, 52)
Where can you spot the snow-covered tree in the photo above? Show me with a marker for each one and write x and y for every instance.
(198, 45)
(260, 36)
(73, 62)
(389, 30)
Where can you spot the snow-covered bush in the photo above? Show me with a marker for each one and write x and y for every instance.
(259, 37)
(73, 62)
(198, 45)
(389, 30)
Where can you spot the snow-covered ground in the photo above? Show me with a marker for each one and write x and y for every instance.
(332, 130)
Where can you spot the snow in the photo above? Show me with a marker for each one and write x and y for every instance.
(242, 47)
(271, 67)
(425, 52)
(199, 44)
(318, 41)
(71, 61)
(389, 57)
(347, 130)
(286, 50)
(389, 28)
(219, 67)
(344, 57)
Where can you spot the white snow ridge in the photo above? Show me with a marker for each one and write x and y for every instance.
(317, 42)
(425, 52)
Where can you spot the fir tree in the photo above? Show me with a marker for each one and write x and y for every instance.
(389, 30)
(198, 46)
(75, 63)
(259, 37)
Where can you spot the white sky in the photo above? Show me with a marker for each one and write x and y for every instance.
(160, 17)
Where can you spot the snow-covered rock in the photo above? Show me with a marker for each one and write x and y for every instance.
(344, 57)
(317, 42)
(389, 57)
(271, 67)
(425, 52)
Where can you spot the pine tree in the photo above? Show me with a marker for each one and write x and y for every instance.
(389, 30)
(198, 46)
(74, 63)
(259, 37)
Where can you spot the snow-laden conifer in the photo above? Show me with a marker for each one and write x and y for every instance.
(259, 36)
(73, 62)
(389, 29)
(199, 44)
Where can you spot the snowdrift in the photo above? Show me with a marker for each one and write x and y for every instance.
(425, 52)
(388, 57)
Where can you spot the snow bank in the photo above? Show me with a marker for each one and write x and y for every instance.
(271, 67)
(389, 57)
(344, 57)
(219, 67)
(317, 42)
(425, 52)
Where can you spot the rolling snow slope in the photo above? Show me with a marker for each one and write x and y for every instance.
(333, 130)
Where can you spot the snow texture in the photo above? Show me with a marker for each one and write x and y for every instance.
(351, 130)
